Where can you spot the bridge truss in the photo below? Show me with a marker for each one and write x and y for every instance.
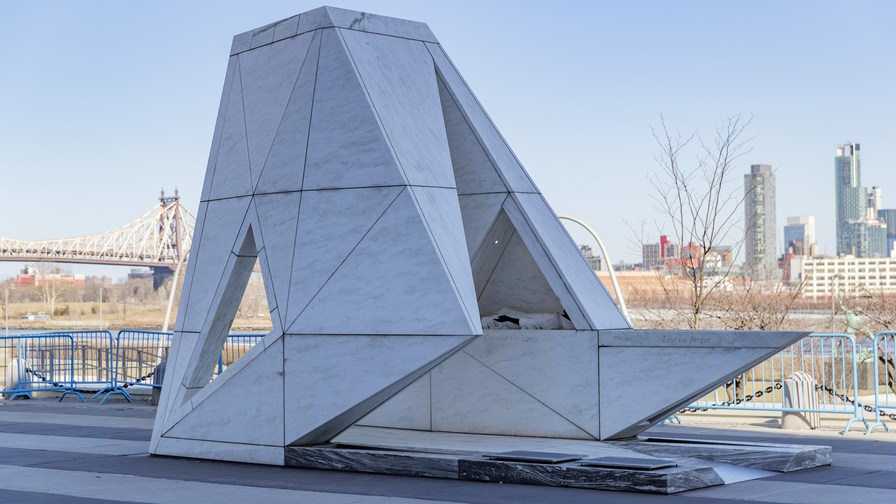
(160, 239)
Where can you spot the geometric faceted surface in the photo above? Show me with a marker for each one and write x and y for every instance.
(609, 384)
(388, 215)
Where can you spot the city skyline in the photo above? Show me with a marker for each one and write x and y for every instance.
(91, 131)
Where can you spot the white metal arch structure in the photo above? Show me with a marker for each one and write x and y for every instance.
(603, 251)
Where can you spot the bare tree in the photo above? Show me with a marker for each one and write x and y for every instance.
(704, 204)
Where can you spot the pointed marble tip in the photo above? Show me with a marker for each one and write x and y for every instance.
(330, 17)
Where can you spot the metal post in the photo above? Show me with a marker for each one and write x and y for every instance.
(603, 250)
(180, 264)
(6, 308)
(101, 308)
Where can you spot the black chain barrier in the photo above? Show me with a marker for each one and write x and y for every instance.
(44, 379)
(777, 386)
(140, 380)
(845, 398)
(56, 384)
(746, 398)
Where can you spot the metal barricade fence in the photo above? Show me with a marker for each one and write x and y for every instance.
(830, 361)
(884, 377)
(39, 363)
(137, 356)
(94, 358)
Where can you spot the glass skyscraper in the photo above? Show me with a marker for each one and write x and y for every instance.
(760, 243)
(851, 199)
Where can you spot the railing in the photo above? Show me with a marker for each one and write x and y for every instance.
(95, 361)
(829, 359)
(77, 361)
(884, 369)
(39, 363)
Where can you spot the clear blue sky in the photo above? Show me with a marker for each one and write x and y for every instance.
(104, 103)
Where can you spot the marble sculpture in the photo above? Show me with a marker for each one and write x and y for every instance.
(389, 216)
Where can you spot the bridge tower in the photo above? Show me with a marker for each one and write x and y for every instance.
(170, 223)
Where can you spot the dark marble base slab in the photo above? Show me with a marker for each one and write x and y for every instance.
(689, 476)
(765, 456)
(700, 463)
(573, 474)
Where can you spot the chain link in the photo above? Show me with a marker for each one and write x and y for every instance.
(747, 398)
(843, 397)
(57, 384)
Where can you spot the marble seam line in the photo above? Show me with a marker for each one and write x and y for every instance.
(457, 293)
(334, 27)
(245, 124)
(501, 256)
(511, 204)
(292, 93)
(262, 257)
(464, 115)
(295, 238)
(530, 395)
(476, 100)
(554, 262)
(347, 188)
(376, 112)
(236, 75)
(291, 323)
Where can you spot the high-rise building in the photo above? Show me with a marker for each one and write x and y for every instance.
(799, 235)
(760, 242)
(651, 257)
(851, 201)
(888, 216)
(872, 203)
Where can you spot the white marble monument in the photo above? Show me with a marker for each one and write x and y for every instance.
(390, 217)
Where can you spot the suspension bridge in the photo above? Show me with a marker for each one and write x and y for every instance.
(159, 240)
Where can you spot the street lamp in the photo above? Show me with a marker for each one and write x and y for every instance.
(603, 251)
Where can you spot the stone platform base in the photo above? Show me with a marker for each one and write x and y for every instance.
(700, 463)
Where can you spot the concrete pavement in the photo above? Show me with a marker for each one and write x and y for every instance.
(85, 453)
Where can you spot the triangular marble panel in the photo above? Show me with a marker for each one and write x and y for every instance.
(590, 294)
(478, 212)
(469, 397)
(667, 379)
(474, 172)
(408, 409)
(284, 168)
(219, 127)
(512, 173)
(251, 394)
(269, 75)
(232, 176)
(331, 224)
(399, 77)
(335, 381)
(441, 213)
(363, 296)
(518, 283)
(346, 146)
(557, 368)
(278, 216)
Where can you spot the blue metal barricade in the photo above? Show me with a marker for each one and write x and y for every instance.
(830, 361)
(137, 356)
(39, 363)
(884, 347)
